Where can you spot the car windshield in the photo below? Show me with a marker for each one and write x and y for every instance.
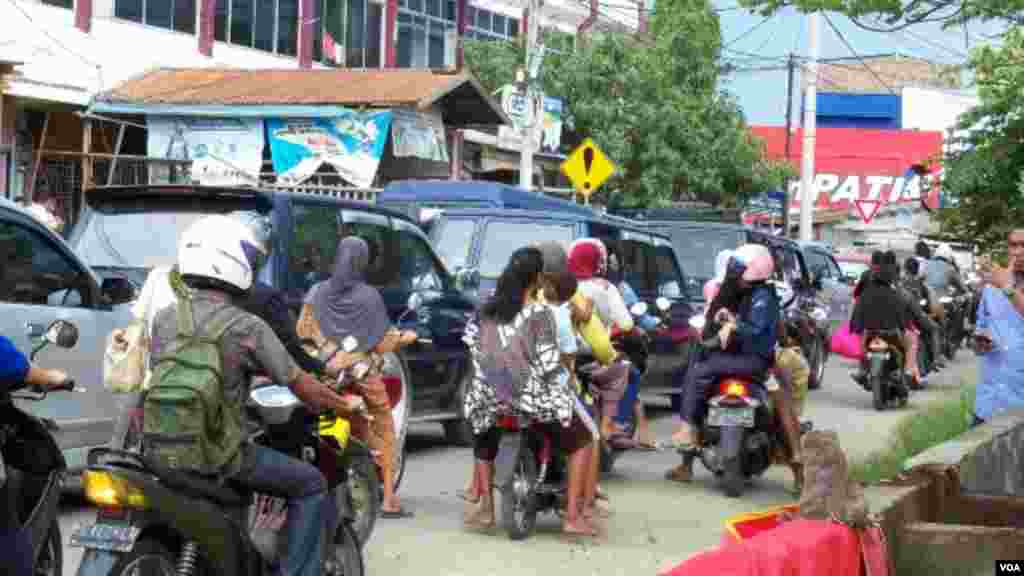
(138, 235)
(700, 247)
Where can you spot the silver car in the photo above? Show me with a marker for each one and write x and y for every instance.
(42, 280)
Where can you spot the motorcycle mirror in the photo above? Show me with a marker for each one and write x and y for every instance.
(663, 304)
(415, 300)
(638, 309)
(62, 333)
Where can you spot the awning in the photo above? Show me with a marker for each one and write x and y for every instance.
(220, 111)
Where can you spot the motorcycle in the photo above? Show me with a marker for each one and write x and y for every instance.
(33, 464)
(954, 328)
(809, 319)
(925, 363)
(182, 524)
(530, 471)
(885, 376)
(635, 346)
(741, 435)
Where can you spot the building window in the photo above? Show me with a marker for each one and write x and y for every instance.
(486, 25)
(69, 4)
(268, 25)
(425, 33)
(177, 15)
(363, 32)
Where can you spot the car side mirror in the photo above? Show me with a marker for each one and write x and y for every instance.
(117, 290)
(62, 333)
(467, 279)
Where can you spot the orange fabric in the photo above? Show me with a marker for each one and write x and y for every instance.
(797, 548)
(379, 434)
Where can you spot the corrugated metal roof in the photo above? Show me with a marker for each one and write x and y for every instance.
(291, 86)
(877, 75)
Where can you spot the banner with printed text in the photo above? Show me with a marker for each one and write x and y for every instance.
(223, 151)
(352, 144)
(418, 135)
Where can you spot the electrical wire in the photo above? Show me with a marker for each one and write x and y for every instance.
(854, 53)
(749, 31)
(53, 39)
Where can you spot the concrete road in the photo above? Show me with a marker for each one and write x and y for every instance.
(656, 524)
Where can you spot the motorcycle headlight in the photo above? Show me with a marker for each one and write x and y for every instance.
(105, 489)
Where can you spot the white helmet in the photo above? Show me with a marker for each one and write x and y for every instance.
(944, 251)
(219, 248)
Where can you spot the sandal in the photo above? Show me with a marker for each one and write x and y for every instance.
(681, 474)
(649, 446)
(396, 514)
(467, 496)
(621, 441)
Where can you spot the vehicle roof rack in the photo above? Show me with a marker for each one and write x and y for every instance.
(366, 195)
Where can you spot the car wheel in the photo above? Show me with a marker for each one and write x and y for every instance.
(397, 379)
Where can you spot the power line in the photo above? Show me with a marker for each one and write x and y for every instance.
(854, 52)
(52, 38)
(748, 32)
(934, 44)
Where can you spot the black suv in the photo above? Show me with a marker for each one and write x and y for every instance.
(126, 231)
(477, 243)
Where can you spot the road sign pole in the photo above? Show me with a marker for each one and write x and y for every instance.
(526, 158)
(807, 188)
(789, 137)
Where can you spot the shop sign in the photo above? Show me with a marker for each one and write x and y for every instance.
(223, 151)
(418, 135)
(352, 144)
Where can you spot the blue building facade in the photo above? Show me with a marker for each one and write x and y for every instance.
(869, 111)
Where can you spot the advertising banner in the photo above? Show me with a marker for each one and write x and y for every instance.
(352, 144)
(223, 151)
(418, 135)
(551, 139)
(853, 164)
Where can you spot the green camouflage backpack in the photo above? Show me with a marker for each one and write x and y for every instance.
(188, 423)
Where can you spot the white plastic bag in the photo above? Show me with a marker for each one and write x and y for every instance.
(124, 363)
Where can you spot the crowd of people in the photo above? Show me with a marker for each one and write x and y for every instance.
(551, 307)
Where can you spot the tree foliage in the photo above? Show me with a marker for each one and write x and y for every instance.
(984, 171)
(652, 104)
(889, 15)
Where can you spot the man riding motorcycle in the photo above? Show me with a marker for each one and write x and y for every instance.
(881, 307)
(917, 290)
(755, 328)
(213, 259)
(16, 370)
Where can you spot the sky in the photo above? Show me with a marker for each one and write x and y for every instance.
(752, 42)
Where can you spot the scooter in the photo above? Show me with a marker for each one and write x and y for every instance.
(954, 329)
(740, 433)
(178, 524)
(886, 378)
(635, 346)
(33, 463)
(809, 319)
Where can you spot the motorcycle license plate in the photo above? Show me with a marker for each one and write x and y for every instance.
(741, 416)
(116, 538)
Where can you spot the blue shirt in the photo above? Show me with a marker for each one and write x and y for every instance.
(757, 323)
(1001, 371)
(13, 365)
(647, 322)
(566, 331)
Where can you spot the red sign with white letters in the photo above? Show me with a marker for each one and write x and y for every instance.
(854, 164)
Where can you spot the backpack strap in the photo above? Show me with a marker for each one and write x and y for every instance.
(221, 321)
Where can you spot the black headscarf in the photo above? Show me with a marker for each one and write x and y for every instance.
(345, 306)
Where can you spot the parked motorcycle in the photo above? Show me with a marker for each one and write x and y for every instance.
(33, 464)
(954, 327)
(740, 434)
(885, 375)
(177, 524)
(810, 320)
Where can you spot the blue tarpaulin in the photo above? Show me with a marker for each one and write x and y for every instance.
(473, 194)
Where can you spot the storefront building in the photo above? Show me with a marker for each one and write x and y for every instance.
(323, 131)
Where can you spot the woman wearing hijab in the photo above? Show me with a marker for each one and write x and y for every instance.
(518, 370)
(348, 323)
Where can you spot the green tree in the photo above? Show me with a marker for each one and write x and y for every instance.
(984, 171)
(652, 103)
(889, 15)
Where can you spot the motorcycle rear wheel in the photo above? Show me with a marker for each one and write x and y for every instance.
(733, 477)
(50, 561)
(149, 557)
(519, 497)
(878, 391)
(816, 361)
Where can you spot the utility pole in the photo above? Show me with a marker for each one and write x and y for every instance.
(526, 159)
(791, 64)
(807, 188)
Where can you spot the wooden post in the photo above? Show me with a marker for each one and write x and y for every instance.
(87, 175)
(30, 196)
(117, 150)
